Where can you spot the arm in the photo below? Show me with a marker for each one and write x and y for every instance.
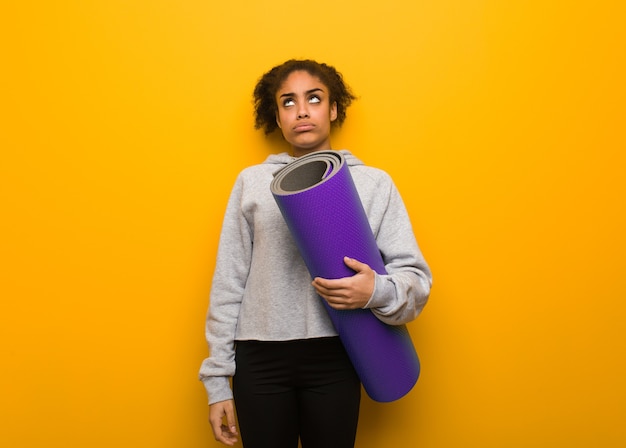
(229, 279)
(225, 433)
(348, 293)
(398, 296)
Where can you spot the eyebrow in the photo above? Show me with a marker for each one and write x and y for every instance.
(308, 92)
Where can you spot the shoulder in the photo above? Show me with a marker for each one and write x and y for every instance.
(371, 172)
(255, 170)
(361, 171)
(269, 166)
(372, 179)
(262, 172)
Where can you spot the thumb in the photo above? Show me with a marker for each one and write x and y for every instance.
(355, 265)
(230, 420)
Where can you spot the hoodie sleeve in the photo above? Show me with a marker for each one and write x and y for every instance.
(229, 280)
(400, 295)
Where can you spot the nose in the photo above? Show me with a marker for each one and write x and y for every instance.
(303, 111)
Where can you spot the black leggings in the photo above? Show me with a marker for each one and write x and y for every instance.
(303, 389)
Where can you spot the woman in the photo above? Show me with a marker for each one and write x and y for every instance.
(293, 380)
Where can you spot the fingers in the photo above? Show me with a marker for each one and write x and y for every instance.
(335, 289)
(349, 292)
(230, 420)
(224, 433)
(345, 283)
(355, 265)
(325, 286)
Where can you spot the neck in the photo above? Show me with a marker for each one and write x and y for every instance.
(299, 152)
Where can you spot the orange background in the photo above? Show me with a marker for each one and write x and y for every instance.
(123, 125)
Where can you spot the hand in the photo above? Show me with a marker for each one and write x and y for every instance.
(348, 293)
(225, 433)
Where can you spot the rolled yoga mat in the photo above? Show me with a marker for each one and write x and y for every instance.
(322, 208)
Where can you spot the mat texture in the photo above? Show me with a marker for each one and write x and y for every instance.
(320, 204)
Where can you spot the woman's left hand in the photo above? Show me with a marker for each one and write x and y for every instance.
(348, 293)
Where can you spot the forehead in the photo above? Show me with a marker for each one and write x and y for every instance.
(300, 81)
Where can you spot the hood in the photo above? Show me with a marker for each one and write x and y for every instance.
(283, 158)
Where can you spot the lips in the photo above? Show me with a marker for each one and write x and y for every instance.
(304, 127)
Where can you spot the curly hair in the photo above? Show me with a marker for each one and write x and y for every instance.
(265, 106)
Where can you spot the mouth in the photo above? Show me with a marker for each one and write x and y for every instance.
(304, 127)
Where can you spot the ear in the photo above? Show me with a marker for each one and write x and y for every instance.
(333, 111)
(278, 121)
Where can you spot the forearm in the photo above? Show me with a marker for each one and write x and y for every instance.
(217, 388)
(399, 298)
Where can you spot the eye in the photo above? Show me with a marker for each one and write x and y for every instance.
(288, 102)
(315, 99)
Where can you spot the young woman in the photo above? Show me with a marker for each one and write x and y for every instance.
(267, 327)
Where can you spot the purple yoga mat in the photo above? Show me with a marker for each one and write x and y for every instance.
(322, 208)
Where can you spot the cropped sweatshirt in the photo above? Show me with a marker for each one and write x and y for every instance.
(261, 288)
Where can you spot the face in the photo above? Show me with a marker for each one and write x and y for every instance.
(305, 113)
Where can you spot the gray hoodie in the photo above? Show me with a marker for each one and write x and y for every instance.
(261, 288)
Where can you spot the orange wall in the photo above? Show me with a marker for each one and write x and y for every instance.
(124, 124)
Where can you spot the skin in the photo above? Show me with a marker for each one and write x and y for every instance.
(305, 115)
(222, 420)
